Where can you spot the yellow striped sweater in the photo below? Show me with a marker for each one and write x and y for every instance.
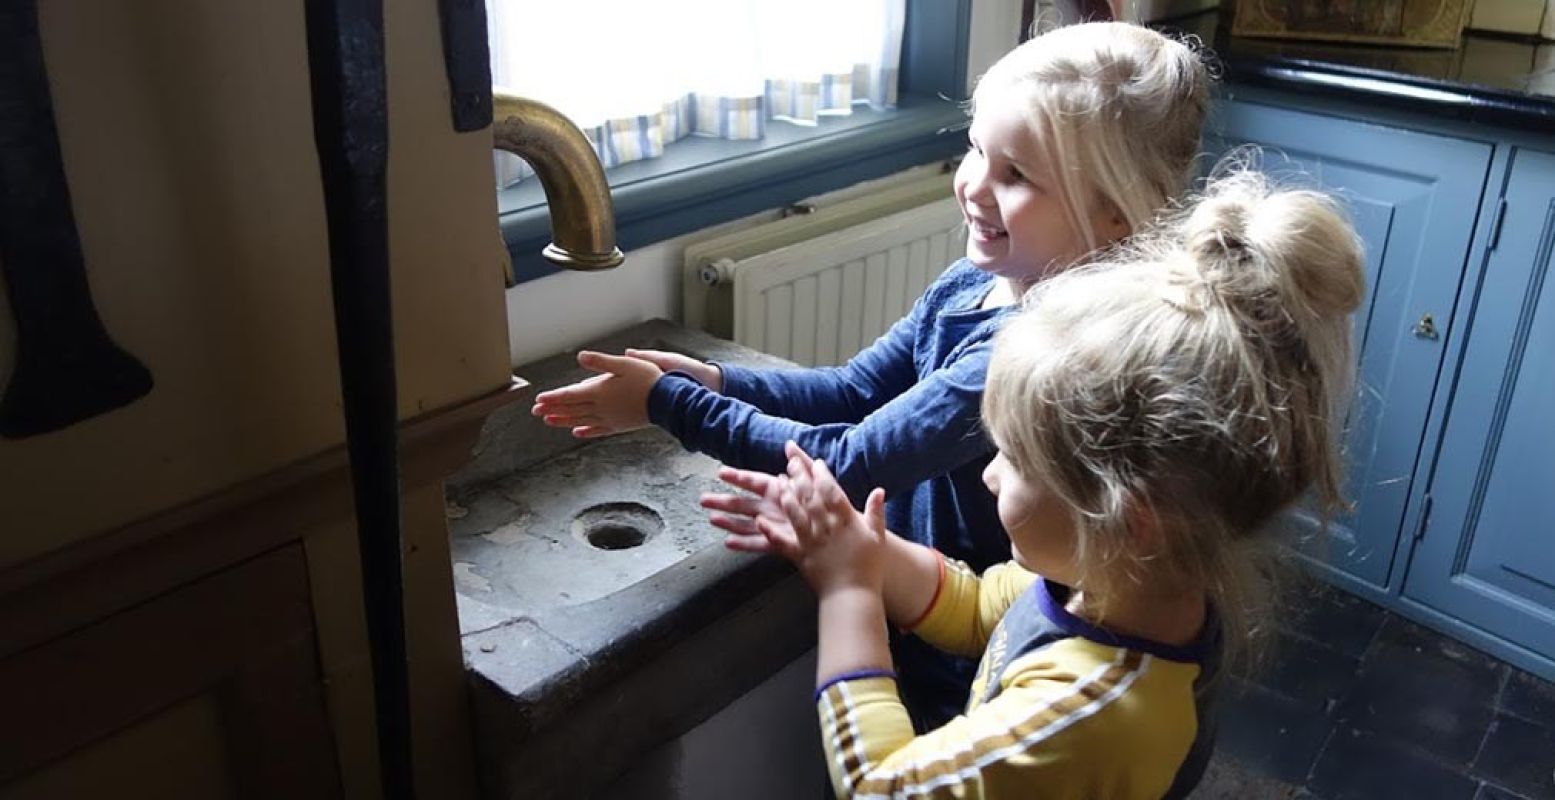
(1059, 707)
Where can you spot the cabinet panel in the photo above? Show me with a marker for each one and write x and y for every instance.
(1413, 198)
(1488, 553)
(231, 656)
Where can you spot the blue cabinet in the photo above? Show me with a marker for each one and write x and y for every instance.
(1450, 442)
(1413, 197)
(1486, 556)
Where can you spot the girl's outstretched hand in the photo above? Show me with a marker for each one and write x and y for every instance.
(839, 547)
(737, 513)
(708, 375)
(614, 401)
(806, 518)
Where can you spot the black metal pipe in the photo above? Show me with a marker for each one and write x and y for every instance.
(467, 59)
(350, 131)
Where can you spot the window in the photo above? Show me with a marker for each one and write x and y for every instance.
(848, 129)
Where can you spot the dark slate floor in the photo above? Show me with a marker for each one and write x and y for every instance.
(1359, 703)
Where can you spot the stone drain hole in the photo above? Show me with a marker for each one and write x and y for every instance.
(617, 526)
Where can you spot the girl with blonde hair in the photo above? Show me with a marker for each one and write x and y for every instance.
(1078, 137)
(1152, 413)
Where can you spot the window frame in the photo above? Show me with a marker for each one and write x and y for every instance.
(660, 198)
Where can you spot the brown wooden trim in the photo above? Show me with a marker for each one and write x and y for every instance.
(55, 593)
(74, 690)
(269, 707)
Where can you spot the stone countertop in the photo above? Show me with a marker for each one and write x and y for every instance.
(1487, 79)
(574, 678)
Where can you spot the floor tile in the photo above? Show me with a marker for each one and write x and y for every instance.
(1357, 765)
(1356, 702)
(1271, 734)
(1332, 617)
(1227, 779)
(1519, 755)
(1308, 671)
(1490, 791)
(1529, 697)
(1419, 687)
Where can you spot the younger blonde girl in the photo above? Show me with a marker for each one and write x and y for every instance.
(1152, 413)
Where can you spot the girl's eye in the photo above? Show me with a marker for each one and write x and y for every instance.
(1018, 176)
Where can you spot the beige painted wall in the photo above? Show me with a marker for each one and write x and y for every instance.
(1508, 16)
(186, 130)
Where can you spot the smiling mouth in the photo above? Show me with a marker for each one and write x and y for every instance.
(985, 232)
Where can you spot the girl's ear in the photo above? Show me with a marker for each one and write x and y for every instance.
(1109, 223)
(1117, 225)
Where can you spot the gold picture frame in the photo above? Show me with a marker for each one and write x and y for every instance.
(1416, 23)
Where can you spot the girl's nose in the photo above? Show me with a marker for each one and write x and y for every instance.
(974, 176)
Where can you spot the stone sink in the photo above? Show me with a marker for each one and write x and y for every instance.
(580, 526)
(600, 614)
(541, 520)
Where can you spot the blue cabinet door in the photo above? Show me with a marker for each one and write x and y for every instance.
(1487, 556)
(1413, 198)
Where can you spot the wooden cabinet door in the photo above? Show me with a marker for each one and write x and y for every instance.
(1413, 198)
(1487, 552)
(211, 690)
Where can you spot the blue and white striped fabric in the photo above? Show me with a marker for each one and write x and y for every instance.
(715, 102)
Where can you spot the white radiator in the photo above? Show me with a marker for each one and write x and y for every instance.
(817, 288)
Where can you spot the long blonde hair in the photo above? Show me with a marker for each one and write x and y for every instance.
(1116, 109)
(1197, 375)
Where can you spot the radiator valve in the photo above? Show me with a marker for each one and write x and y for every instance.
(717, 272)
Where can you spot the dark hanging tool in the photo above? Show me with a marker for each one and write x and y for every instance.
(468, 62)
(351, 132)
(67, 369)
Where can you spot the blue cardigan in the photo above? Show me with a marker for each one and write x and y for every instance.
(902, 415)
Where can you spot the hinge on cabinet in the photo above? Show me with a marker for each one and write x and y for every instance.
(1495, 226)
(1425, 518)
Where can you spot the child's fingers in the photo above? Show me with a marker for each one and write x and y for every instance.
(563, 407)
(799, 463)
(565, 420)
(750, 544)
(572, 392)
(874, 510)
(755, 482)
(782, 538)
(792, 449)
(828, 490)
(580, 392)
(658, 358)
(554, 421)
(798, 518)
(741, 504)
(603, 362)
(543, 410)
(815, 501)
(796, 468)
(799, 484)
(736, 524)
(591, 431)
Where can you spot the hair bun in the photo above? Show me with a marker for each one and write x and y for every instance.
(1250, 240)
(1217, 230)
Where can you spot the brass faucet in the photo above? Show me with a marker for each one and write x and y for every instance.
(583, 227)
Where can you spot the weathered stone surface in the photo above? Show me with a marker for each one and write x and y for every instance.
(582, 658)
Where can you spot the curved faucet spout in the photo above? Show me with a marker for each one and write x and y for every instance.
(583, 227)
